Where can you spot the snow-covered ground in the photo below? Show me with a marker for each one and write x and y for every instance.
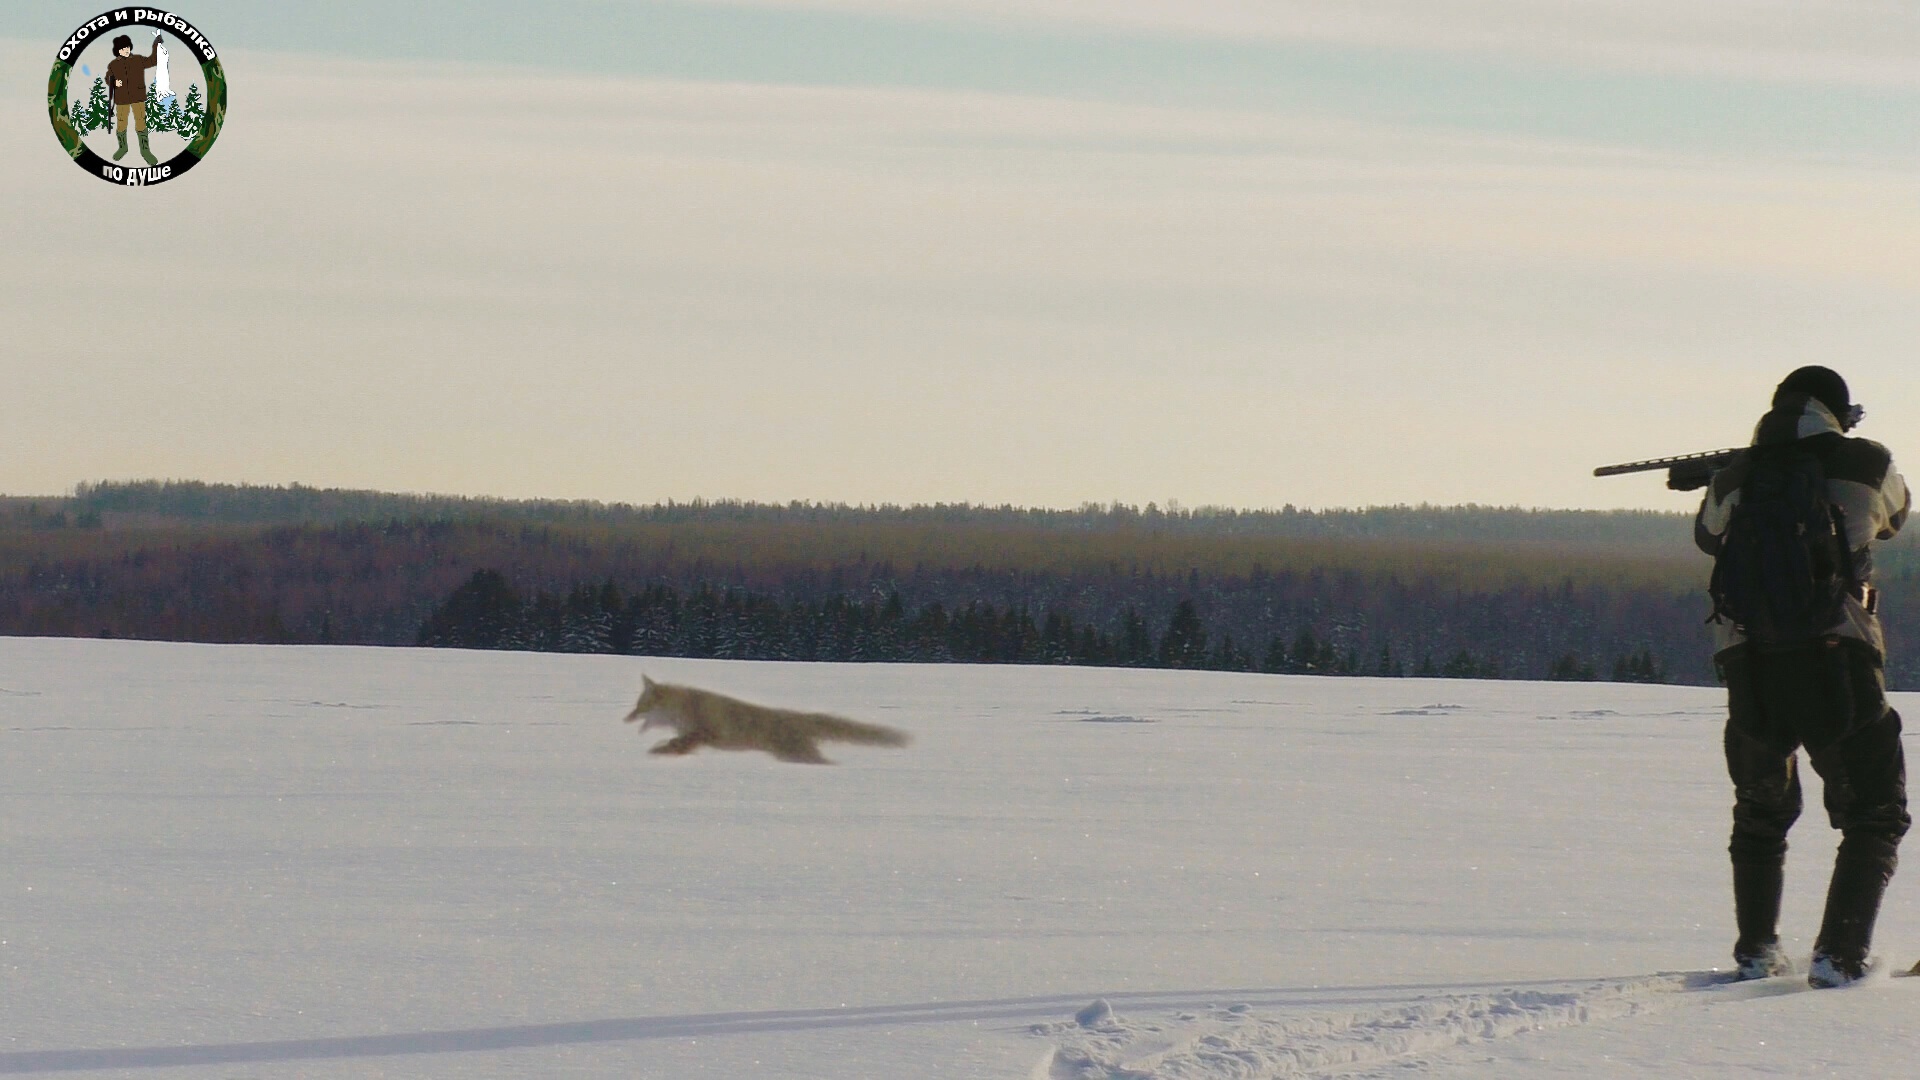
(335, 862)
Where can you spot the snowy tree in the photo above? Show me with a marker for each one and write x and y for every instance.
(156, 113)
(99, 106)
(1570, 668)
(192, 118)
(1641, 667)
(1185, 643)
(483, 613)
(586, 632)
(587, 626)
(1387, 666)
(1276, 658)
(1311, 656)
(1136, 644)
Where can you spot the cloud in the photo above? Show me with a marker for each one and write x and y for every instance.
(1850, 42)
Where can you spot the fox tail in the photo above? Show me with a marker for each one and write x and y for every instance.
(839, 729)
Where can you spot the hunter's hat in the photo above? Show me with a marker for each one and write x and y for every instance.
(122, 42)
(1822, 384)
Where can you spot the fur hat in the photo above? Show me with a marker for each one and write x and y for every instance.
(121, 42)
(1822, 384)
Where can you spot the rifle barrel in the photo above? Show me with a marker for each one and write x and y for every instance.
(1710, 459)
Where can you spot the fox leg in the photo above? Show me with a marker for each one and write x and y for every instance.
(798, 748)
(680, 744)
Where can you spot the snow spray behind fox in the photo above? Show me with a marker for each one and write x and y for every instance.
(143, 73)
(703, 718)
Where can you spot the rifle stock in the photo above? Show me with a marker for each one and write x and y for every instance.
(1684, 473)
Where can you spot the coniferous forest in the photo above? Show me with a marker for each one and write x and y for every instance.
(186, 116)
(1469, 592)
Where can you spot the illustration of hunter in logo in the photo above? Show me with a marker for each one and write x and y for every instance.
(173, 133)
(127, 74)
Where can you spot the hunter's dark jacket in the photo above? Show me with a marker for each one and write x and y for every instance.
(1861, 481)
(127, 77)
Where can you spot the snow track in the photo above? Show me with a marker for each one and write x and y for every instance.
(1217, 1042)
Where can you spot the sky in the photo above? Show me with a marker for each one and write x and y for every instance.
(1243, 253)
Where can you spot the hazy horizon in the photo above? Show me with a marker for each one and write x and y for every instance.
(1170, 506)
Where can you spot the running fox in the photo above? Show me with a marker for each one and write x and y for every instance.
(703, 718)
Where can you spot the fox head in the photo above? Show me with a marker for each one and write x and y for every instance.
(643, 710)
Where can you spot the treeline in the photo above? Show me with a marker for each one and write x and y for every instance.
(189, 562)
(155, 501)
(711, 622)
(377, 584)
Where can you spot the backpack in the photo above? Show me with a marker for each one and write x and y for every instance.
(1784, 570)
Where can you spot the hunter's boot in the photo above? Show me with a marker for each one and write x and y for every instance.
(1756, 912)
(145, 152)
(122, 152)
(1860, 875)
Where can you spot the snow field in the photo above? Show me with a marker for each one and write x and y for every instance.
(336, 862)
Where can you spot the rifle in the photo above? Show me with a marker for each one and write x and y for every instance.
(1684, 473)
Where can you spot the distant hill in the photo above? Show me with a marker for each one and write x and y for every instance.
(1464, 590)
(193, 501)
